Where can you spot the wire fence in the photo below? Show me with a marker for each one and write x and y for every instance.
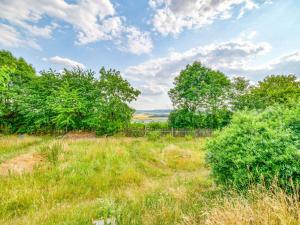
(129, 132)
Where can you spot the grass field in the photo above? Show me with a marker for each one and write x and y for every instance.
(132, 180)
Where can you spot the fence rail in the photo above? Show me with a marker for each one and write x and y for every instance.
(172, 131)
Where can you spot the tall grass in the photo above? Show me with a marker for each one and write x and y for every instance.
(258, 207)
(11, 146)
(134, 180)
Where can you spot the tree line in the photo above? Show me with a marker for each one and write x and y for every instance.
(205, 98)
(79, 99)
(53, 101)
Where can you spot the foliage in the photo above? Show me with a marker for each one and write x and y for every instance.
(70, 100)
(184, 118)
(200, 98)
(239, 93)
(275, 89)
(135, 129)
(157, 125)
(204, 98)
(153, 135)
(258, 147)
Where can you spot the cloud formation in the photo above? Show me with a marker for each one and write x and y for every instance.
(65, 62)
(92, 20)
(155, 77)
(173, 16)
(10, 37)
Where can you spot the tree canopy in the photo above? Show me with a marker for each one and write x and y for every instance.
(62, 101)
(274, 89)
(200, 98)
(204, 98)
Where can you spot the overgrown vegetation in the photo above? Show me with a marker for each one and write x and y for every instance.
(154, 180)
(70, 100)
(200, 97)
(258, 147)
(259, 207)
(135, 181)
(204, 98)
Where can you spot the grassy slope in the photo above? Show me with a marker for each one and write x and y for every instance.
(134, 180)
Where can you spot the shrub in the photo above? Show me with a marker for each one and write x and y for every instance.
(153, 135)
(258, 147)
(183, 118)
(157, 125)
(135, 129)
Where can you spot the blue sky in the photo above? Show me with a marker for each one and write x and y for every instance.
(150, 41)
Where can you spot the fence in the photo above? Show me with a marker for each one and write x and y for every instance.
(129, 132)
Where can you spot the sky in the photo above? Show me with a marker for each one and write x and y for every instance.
(151, 41)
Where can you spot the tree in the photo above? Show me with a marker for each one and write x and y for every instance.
(116, 93)
(201, 92)
(20, 74)
(4, 81)
(73, 100)
(239, 93)
(275, 89)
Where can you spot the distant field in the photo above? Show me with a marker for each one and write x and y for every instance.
(147, 116)
(133, 181)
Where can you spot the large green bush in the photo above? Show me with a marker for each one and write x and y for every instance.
(73, 99)
(258, 147)
(184, 118)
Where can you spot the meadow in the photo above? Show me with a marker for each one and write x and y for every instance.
(132, 180)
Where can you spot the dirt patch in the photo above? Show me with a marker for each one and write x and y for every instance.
(79, 135)
(21, 164)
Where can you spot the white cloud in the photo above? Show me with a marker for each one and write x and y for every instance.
(10, 37)
(155, 77)
(286, 64)
(93, 20)
(66, 62)
(138, 42)
(173, 16)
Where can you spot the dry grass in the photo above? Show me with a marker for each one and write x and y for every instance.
(137, 181)
(258, 208)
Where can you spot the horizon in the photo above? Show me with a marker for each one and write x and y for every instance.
(151, 41)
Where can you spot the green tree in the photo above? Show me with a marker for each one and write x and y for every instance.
(275, 89)
(200, 92)
(70, 100)
(116, 93)
(20, 75)
(239, 93)
(4, 82)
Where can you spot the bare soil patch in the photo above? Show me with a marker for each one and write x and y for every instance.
(24, 163)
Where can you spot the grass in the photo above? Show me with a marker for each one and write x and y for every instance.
(133, 180)
(14, 145)
(258, 207)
